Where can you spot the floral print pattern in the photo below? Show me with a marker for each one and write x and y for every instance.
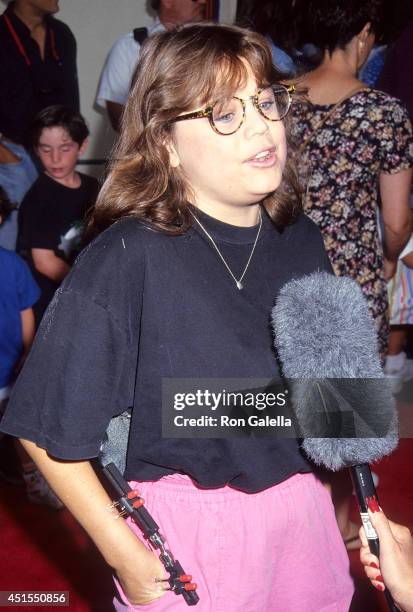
(367, 134)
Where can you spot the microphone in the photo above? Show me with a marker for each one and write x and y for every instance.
(324, 336)
(327, 345)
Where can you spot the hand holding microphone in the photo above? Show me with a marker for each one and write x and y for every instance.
(395, 562)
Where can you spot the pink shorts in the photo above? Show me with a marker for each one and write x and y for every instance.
(277, 550)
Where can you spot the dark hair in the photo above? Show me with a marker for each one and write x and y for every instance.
(397, 15)
(278, 19)
(185, 68)
(58, 116)
(155, 4)
(332, 24)
(6, 206)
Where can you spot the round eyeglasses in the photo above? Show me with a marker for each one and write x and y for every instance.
(226, 117)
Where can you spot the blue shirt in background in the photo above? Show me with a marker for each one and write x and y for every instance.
(18, 291)
(281, 60)
(372, 69)
(15, 179)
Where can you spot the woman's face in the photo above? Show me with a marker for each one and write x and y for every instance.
(230, 171)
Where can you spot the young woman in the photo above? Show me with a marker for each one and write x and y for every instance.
(203, 226)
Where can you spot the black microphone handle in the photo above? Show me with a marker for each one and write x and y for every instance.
(364, 488)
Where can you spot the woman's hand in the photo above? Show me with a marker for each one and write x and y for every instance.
(395, 567)
(141, 579)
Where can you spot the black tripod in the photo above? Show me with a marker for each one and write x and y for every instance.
(130, 503)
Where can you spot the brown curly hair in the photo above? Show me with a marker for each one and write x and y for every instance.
(180, 70)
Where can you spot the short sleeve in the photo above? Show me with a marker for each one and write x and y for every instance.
(27, 290)
(35, 230)
(117, 72)
(78, 375)
(81, 369)
(396, 139)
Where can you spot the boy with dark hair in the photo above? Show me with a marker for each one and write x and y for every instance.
(37, 69)
(52, 212)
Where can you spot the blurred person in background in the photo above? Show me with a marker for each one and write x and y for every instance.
(397, 75)
(18, 294)
(37, 69)
(52, 213)
(282, 24)
(400, 291)
(355, 153)
(116, 76)
(397, 80)
(396, 16)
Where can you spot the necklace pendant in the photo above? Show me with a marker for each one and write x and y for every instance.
(237, 282)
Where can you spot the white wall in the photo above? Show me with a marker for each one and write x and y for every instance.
(227, 11)
(96, 24)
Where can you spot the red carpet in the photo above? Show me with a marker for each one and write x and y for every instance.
(41, 549)
(45, 550)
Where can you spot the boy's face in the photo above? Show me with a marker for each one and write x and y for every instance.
(58, 152)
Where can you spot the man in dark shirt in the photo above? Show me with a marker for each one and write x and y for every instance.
(37, 69)
(37, 64)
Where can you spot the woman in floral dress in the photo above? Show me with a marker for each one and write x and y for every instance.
(355, 154)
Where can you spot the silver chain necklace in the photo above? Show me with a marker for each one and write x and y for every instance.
(238, 281)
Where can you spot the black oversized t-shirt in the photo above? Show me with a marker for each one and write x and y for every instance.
(51, 216)
(140, 306)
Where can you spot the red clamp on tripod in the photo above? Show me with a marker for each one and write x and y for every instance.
(130, 503)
